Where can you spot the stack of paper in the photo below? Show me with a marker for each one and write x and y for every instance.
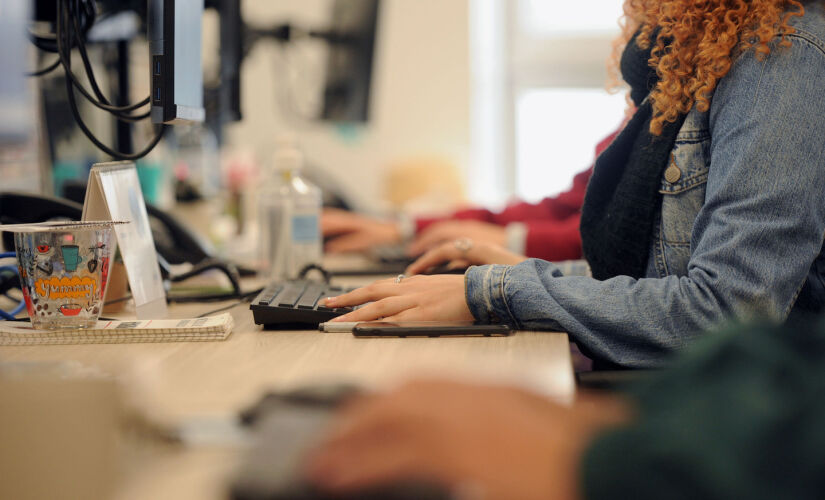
(115, 332)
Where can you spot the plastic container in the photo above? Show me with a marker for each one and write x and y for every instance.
(196, 159)
(289, 212)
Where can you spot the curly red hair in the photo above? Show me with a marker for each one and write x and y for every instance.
(696, 44)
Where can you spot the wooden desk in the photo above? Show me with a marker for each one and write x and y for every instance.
(182, 380)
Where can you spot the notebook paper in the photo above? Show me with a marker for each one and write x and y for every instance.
(116, 332)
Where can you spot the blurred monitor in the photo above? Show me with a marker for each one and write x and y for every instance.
(174, 33)
(349, 66)
(15, 105)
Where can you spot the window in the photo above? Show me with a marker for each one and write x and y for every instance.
(556, 132)
(540, 102)
(553, 18)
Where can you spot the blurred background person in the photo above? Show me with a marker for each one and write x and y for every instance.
(547, 230)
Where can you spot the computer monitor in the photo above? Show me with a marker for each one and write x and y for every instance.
(350, 40)
(174, 33)
(350, 60)
(15, 103)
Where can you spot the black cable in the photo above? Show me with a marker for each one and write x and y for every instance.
(302, 274)
(218, 297)
(247, 297)
(117, 301)
(221, 309)
(106, 149)
(82, 22)
(228, 269)
(81, 47)
(48, 69)
(47, 42)
(66, 60)
(118, 111)
(108, 106)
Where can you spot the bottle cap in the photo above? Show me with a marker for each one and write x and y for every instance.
(288, 159)
(286, 140)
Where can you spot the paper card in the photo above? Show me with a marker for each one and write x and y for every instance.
(114, 193)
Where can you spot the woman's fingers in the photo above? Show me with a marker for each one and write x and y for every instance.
(459, 264)
(429, 238)
(369, 293)
(407, 315)
(352, 242)
(433, 297)
(335, 221)
(380, 309)
(434, 257)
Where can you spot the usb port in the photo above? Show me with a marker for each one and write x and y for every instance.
(157, 93)
(157, 67)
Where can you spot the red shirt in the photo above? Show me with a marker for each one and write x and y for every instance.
(552, 224)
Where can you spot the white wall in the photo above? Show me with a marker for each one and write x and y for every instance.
(420, 100)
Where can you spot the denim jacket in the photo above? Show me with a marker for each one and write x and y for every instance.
(739, 235)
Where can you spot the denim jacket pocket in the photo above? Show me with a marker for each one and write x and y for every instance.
(683, 194)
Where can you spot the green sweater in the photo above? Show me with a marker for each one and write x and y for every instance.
(740, 416)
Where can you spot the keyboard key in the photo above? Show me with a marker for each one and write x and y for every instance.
(310, 297)
(290, 294)
(269, 294)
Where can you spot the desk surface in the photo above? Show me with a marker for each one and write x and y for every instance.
(182, 380)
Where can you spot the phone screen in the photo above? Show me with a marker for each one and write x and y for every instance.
(428, 329)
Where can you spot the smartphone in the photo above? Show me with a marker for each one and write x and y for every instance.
(429, 329)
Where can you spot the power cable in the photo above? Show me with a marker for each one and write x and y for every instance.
(48, 69)
(117, 110)
(64, 36)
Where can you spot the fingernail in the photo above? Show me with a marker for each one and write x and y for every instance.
(329, 300)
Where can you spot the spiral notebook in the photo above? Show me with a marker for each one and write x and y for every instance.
(117, 332)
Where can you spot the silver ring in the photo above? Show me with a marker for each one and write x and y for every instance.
(400, 277)
(463, 245)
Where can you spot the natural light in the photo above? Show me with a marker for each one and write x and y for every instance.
(557, 130)
(543, 18)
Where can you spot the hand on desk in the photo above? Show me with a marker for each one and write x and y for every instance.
(350, 232)
(464, 253)
(417, 298)
(495, 442)
(440, 233)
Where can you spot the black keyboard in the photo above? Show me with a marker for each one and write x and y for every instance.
(295, 303)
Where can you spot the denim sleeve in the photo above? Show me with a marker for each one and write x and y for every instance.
(753, 241)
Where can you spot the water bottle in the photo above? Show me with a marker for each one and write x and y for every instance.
(197, 162)
(289, 217)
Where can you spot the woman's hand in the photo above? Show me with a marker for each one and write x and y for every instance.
(464, 252)
(417, 298)
(350, 232)
(486, 442)
(449, 230)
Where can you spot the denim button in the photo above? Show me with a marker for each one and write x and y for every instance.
(673, 174)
